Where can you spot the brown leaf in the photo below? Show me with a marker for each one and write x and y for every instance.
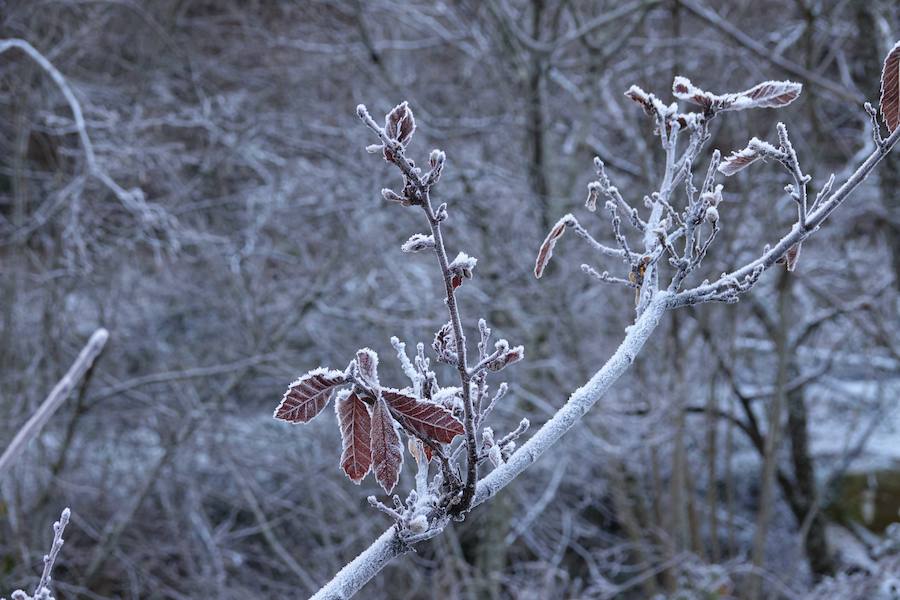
(413, 445)
(367, 361)
(387, 453)
(546, 250)
(738, 160)
(356, 435)
(444, 344)
(400, 124)
(890, 89)
(306, 397)
(641, 97)
(683, 89)
(427, 419)
(513, 355)
(768, 94)
(791, 256)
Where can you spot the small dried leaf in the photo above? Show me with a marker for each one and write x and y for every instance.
(594, 188)
(444, 344)
(367, 361)
(738, 160)
(425, 418)
(513, 355)
(413, 445)
(890, 89)
(356, 435)
(641, 97)
(387, 453)
(791, 256)
(399, 124)
(463, 265)
(495, 456)
(683, 89)
(392, 196)
(308, 395)
(546, 250)
(417, 243)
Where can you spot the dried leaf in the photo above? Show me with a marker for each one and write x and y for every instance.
(399, 124)
(462, 266)
(791, 256)
(356, 435)
(683, 89)
(387, 453)
(444, 344)
(392, 196)
(367, 361)
(413, 445)
(425, 418)
(546, 250)
(513, 355)
(308, 395)
(768, 94)
(418, 242)
(641, 97)
(594, 189)
(890, 89)
(738, 160)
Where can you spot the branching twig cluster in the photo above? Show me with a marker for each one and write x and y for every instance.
(43, 591)
(444, 423)
(683, 235)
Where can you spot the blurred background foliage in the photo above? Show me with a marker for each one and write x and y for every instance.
(259, 247)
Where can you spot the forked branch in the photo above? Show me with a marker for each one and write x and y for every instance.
(693, 228)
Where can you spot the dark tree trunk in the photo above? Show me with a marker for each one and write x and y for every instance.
(817, 554)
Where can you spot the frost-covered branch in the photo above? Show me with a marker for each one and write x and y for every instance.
(132, 199)
(54, 400)
(697, 224)
(729, 285)
(440, 422)
(417, 190)
(43, 591)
